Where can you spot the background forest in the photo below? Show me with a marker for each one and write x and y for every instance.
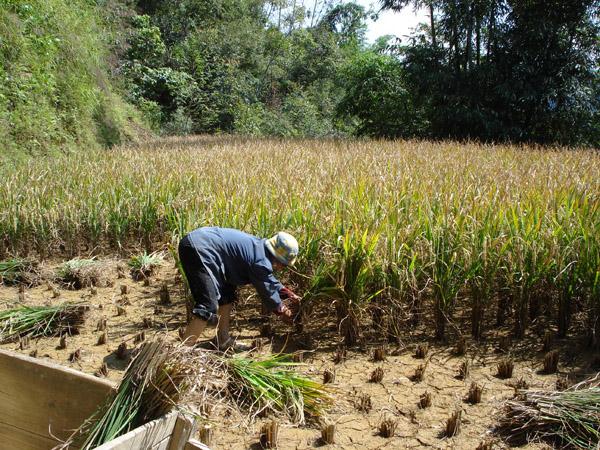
(82, 72)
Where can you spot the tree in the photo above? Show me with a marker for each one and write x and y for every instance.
(548, 66)
(398, 5)
(376, 96)
(347, 21)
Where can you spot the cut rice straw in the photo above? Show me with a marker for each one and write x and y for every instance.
(154, 383)
(35, 321)
(271, 383)
(570, 417)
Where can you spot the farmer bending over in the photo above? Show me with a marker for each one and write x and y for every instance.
(217, 260)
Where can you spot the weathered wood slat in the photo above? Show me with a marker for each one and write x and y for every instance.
(146, 436)
(163, 445)
(194, 444)
(37, 394)
(14, 438)
(185, 428)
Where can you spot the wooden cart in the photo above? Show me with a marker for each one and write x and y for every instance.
(42, 402)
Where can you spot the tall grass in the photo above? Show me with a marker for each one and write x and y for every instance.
(461, 225)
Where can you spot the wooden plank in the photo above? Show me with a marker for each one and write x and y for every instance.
(194, 444)
(185, 428)
(146, 436)
(13, 438)
(43, 397)
(163, 445)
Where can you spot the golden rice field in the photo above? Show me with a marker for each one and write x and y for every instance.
(438, 263)
(516, 229)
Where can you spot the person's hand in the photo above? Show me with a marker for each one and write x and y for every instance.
(290, 299)
(285, 313)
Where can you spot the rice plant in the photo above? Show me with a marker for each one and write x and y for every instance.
(142, 266)
(454, 225)
(353, 275)
(18, 270)
(446, 272)
(35, 321)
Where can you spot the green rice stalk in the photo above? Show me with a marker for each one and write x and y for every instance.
(272, 384)
(18, 270)
(36, 321)
(154, 382)
(143, 265)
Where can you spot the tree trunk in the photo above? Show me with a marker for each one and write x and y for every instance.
(491, 30)
(432, 24)
(478, 37)
(469, 37)
(455, 38)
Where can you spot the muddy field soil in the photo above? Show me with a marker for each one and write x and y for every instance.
(131, 307)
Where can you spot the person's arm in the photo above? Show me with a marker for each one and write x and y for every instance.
(271, 292)
(286, 293)
(268, 287)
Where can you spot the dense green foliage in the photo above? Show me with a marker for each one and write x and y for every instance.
(519, 70)
(250, 66)
(54, 90)
(495, 70)
(491, 70)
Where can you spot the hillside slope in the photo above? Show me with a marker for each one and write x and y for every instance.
(55, 93)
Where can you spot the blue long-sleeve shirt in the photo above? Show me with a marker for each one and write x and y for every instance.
(233, 257)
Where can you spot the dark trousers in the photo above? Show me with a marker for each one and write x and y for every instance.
(204, 292)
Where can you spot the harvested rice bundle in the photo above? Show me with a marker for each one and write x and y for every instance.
(571, 417)
(79, 273)
(271, 383)
(19, 271)
(37, 321)
(153, 384)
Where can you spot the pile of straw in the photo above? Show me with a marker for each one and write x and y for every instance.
(154, 383)
(79, 273)
(163, 376)
(19, 271)
(570, 417)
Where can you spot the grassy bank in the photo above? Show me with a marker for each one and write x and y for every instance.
(56, 93)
